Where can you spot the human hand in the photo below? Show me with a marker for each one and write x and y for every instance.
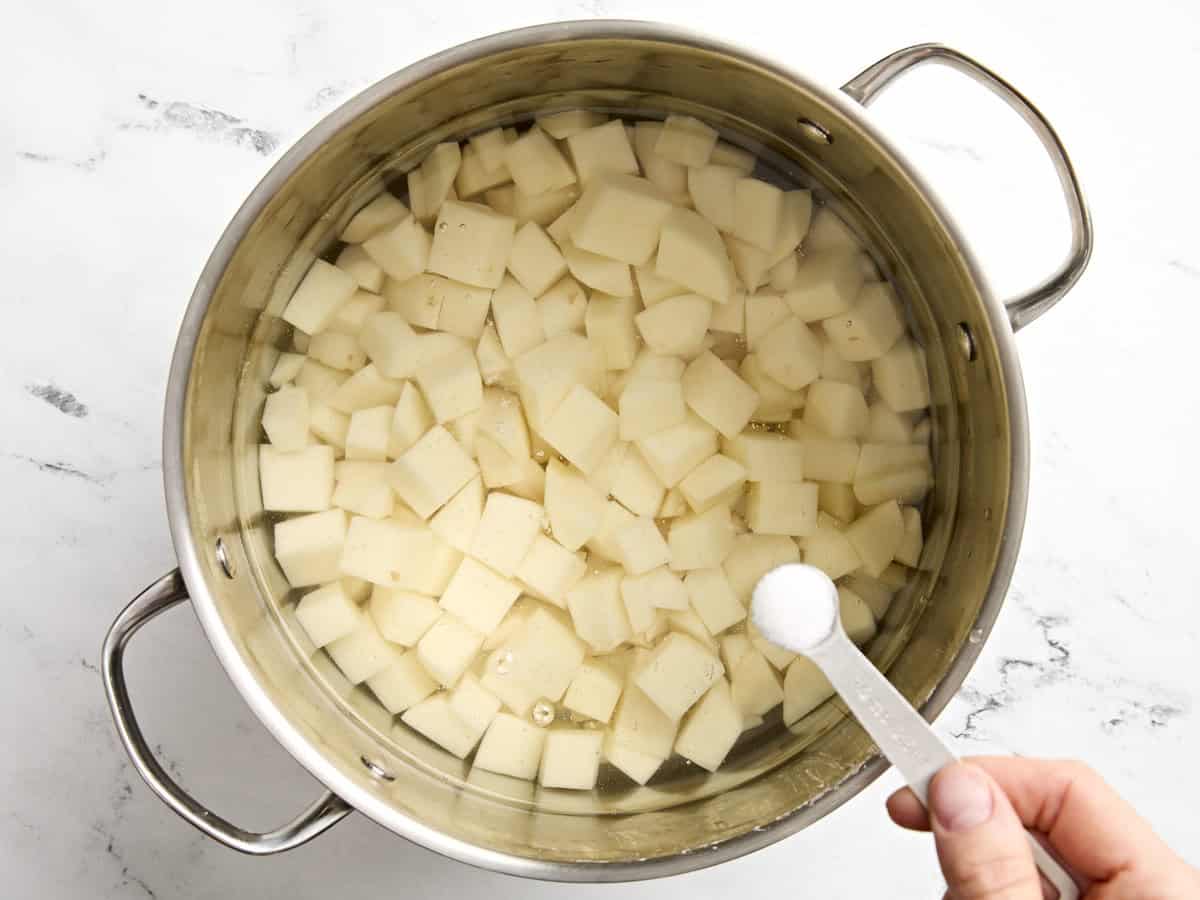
(982, 806)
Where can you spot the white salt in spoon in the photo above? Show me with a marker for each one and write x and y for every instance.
(796, 606)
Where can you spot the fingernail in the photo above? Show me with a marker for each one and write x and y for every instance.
(960, 798)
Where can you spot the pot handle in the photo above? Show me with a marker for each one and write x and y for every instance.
(169, 590)
(1024, 308)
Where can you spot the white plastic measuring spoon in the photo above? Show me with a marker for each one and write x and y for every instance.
(796, 606)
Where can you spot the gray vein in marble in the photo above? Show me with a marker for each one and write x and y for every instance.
(205, 122)
(58, 467)
(87, 164)
(64, 401)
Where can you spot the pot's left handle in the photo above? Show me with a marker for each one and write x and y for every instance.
(169, 590)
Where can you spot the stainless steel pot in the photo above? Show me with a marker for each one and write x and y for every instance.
(231, 333)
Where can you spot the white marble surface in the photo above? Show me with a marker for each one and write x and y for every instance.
(132, 130)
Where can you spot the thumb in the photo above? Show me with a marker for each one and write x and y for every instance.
(981, 844)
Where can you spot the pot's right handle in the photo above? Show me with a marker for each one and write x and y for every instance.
(324, 812)
(1025, 307)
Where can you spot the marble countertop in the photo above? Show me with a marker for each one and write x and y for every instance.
(132, 131)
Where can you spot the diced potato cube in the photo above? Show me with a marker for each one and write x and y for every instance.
(892, 471)
(660, 588)
(511, 746)
(856, 617)
(758, 213)
(594, 691)
(478, 596)
(501, 420)
(535, 261)
(497, 467)
(901, 378)
(887, 427)
(362, 653)
(718, 395)
(870, 327)
(805, 687)
(700, 540)
(711, 188)
(766, 456)
(677, 325)
(402, 616)
(651, 365)
(775, 402)
(390, 343)
(434, 179)
(296, 482)
(473, 703)
(385, 551)
(598, 611)
(550, 570)
(654, 289)
(541, 209)
(730, 317)
(716, 481)
(582, 429)
(538, 659)
(674, 452)
(402, 684)
(836, 409)
(677, 673)
(830, 550)
(432, 301)
(494, 365)
(635, 485)
(619, 216)
(560, 229)
(838, 500)
(471, 244)
(691, 253)
(366, 273)
(562, 125)
(641, 546)
(536, 164)
(643, 616)
(308, 548)
(604, 149)
(352, 314)
(711, 729)
(604, 544)
(734, 647)
(764, 312)
(650, 405)
(909, 551)
(365, 388)
(782, 507)
(490, 146)
(790, 354)
(373, 499)
(777, 656)
(877, 535)
(876, 594)
(668, 175)
(795, 218)
(826, 284)
(431, 471)
(327, 614)
(329, 425)
(506, 533)
(473, 178)
(756, 687)
(323, 289)
(369, 433)
(286, 367)
(381, 212)
(610, 326)
(563, 307)
(285, 419)
(640, 725)
(547, 373)
(826, 459)
(447, 649)
(781, 276)
(609, 276)
(457, 521)
(401, 250)
(828, 232)
(571, 759)
(574, 507)
(410, 421)
(752, 556)
(751, 263)
(338, 351)
(436, 720)
(713, 599)
(517, 318)
(686, 140)
(640, 767)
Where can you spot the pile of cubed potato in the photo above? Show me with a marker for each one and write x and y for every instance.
(547, 424)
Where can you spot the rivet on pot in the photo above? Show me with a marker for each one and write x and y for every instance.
(377, 770)
(224, 560)
(814, 133)
(966, 342)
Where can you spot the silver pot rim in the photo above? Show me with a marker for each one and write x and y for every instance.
(188, 551)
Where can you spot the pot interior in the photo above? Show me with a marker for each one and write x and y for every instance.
(778, 779)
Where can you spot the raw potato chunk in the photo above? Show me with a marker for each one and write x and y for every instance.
(296, 482)
(826, 459)
(473, 178)
(478, 596)
(766, 456)
(641, 547)
(512, 747)
(756, 687)
(876, 594)
(805, 687)
(660, 588)
(713, 599)
(901, 378)
(582, 429)
(571, 759)
(471, 244)
(594, 692)
(309, 548)
(539, 659)
(838, 500)
(410, 421)
(795, 218)
(549, 570)
(563, 307)
(619, 216)
(436, 720)
(369, 433)
(877, 535)
(598, 611)
(701, 540)
(826, 285)
(431, 471)
(716, 481)
(754, 555)
(782, 507)
(650, 405)
(790, 354)
(401, 250)
(909, 551)
(610, 326)
(674, 452)
(731, 316)
(764, 311)
(830, 550)
(609, 276)
(834, 368)
(838, 410)
(712, 191)
(362, 653)
(640, 767)
(870, 327)
(364, 389)
(691, 253)
(338, 351)
(535, 261)
(517, 319)
(856, 617)
(351, 315)
(322, 290)
(506, 533)
(652, 288)
(677, 673)
(828, 232)
(429, 183)
(751, 263)
(726, 154)
(888, 427)
(668, 175)
(604, 149)
(387, 551)
(457, 521)
(757, 213)
(402, 617)
(575, 508)
(373, 499)
(329, 425)
(404, 683)
(562, 125)
(779, 657)
(536, 164)
(547, 373)
(677, 325)
(490, 146)
(635, 485)
(447, 649)
(775, 402)
(711, 729)
(686, 140)
(286, 367)
(381, 212)
(390, 343)
(327, 614)
(717, 395)
(892, 471)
